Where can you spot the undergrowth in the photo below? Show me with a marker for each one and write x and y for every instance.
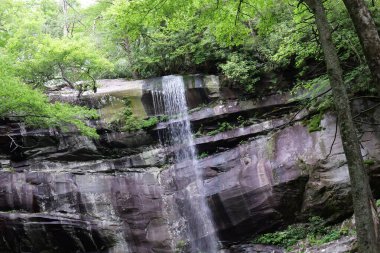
(127, 121)
(315, 232)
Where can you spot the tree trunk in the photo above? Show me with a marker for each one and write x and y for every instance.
(368, 35)
(128, 50)
(66, 25)
(365, 214)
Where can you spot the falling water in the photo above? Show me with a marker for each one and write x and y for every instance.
(171, 101)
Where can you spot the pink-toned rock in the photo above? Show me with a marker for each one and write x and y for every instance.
(71, 188)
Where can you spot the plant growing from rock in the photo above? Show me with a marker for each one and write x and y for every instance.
(222, 127)
(127, 121)
(203, 155)
(367, 222)
(315, 232)
(180, 247)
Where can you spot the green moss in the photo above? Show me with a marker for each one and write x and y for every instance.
(314, 123)
(203, 155)
(369, 162)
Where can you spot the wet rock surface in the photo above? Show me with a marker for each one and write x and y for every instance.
(65, 193)
(53, 233)
(343, 245)
(257, 248)
(66, 203)
(199, 89)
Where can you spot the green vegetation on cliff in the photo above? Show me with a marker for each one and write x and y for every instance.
(256, 46)
(127, 121)
(19, 101)
(34, 53)
(248, 42)
(315, 232)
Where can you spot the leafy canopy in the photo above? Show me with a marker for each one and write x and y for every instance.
(20, 101)
(33, 51)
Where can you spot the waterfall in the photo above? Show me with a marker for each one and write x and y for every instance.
(171, 101)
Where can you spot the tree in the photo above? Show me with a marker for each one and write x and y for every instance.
(364, 208)
(368, 35)
(70, 17)
(74, 62)
(163, 37)
(31, 51)
(41, 55)
(20, 102)
(66, 25)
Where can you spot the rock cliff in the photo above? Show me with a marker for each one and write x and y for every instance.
(60, 192)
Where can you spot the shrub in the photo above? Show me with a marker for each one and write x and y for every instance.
(316, 232)
(222, 127)
(203, 155)
(285, 238)
(127, 121)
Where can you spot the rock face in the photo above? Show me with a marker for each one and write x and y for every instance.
(255, 249)
(65, 193)
(200, 89)
(343, 245)
(81, 212)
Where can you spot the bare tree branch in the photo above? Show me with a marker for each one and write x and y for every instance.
(366, 123)
(367, 110)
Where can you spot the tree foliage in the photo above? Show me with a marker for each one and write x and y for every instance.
(243, 40)
(19, 101)
(247, 42)
(40, 52)
(33, 51)
(61, 59)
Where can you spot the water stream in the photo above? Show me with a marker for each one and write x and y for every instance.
(171, 101)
